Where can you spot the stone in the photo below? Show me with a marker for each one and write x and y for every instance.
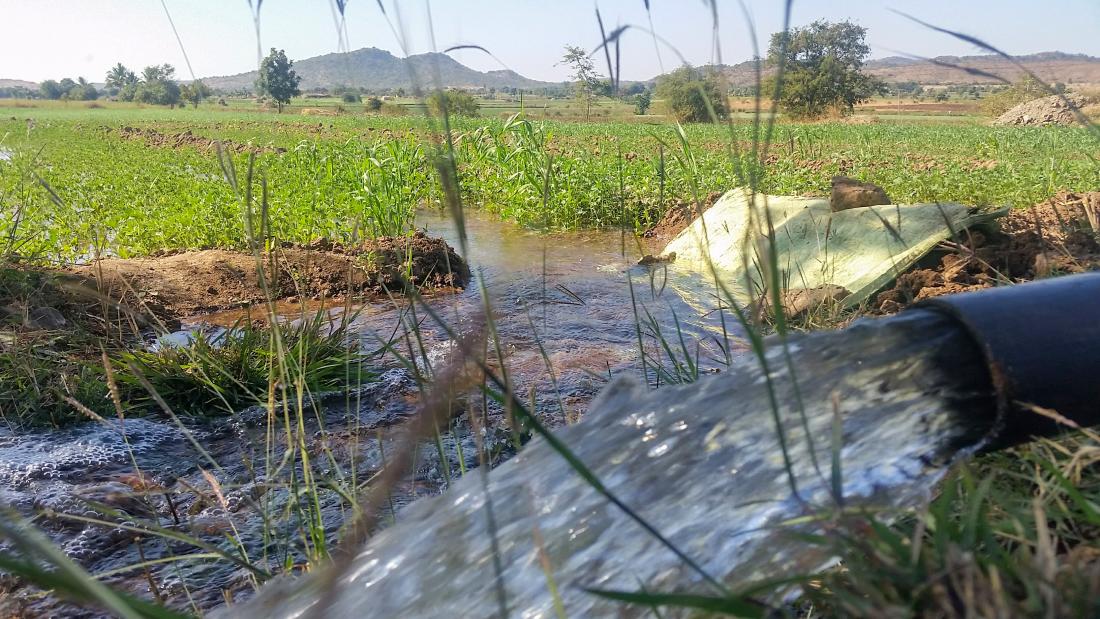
(650, 259)
(798, 301)
(850, 193)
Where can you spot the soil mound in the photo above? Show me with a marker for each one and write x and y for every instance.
(1052, 110)
(1059, 236)
(155, 138)
(678, 218)
(194, 282)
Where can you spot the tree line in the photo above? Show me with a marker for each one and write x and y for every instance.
(157, 85)
(822, 74)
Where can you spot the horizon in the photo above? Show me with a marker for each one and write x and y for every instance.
(219, 38)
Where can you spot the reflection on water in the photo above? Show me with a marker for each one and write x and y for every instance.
(567, 291)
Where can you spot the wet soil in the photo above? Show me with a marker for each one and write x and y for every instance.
(1050, 238)
(189, 283)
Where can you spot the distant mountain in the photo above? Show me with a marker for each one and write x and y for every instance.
(1050, 66)
(18, 84)
(376, 69)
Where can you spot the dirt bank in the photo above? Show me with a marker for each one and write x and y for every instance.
(194, 282)
(678, 218)
(1053, 237)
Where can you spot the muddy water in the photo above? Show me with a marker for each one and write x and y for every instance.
(213, 480)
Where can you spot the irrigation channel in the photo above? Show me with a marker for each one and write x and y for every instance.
(567, 291)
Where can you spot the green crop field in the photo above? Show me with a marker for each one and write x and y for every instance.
(115, 185)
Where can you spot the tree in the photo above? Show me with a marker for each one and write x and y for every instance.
(691, 95)
(374, 104)
(277, 79)
(82, 91)
(642, 101)
(587, 83)
(823, 65)
(453, 103)
(51, 89)
(195, 92)
(119, 77)
(156, 87)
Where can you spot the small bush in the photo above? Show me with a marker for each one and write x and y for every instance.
(351, 97)
(453, 103)
(374, 104)
(1022, 91)
(690, 95)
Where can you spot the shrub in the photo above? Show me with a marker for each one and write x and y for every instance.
(691, 95)
(1005, 99)
(452, 103)
(351, 97)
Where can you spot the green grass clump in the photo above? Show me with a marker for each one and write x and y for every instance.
(1011, 534)
(219, 374)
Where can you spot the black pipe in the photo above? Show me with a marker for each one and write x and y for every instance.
(1041, 343)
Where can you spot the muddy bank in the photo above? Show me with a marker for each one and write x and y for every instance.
(1058, 236)
(188, 283)
(678, 218)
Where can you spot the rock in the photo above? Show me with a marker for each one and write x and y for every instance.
(650, 259)
(45, 318)
(798, 301)
(850, 193)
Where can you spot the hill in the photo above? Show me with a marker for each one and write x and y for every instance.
(376, 69)
(4, 83)
(1050, 66)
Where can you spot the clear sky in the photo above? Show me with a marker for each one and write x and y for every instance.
(42, 39)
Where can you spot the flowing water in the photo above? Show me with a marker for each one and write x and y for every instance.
(568, 292)
(701, 463)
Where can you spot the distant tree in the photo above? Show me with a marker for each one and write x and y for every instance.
(587, 83)
(82, 91)
(119, 77)
(691, 95)
(636, 88)
(51, 89)
(66, 85)
(351, 97)
(277, 79)
(158, 72)
(823, 65)
(156, 87)
(374, 104)
(642, 101)
(453, 102)
(195, 92)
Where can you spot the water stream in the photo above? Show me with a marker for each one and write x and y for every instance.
(570, 291)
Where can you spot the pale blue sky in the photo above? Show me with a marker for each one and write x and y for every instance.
(42, 39)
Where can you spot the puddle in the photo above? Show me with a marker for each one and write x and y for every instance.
(569, 292)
